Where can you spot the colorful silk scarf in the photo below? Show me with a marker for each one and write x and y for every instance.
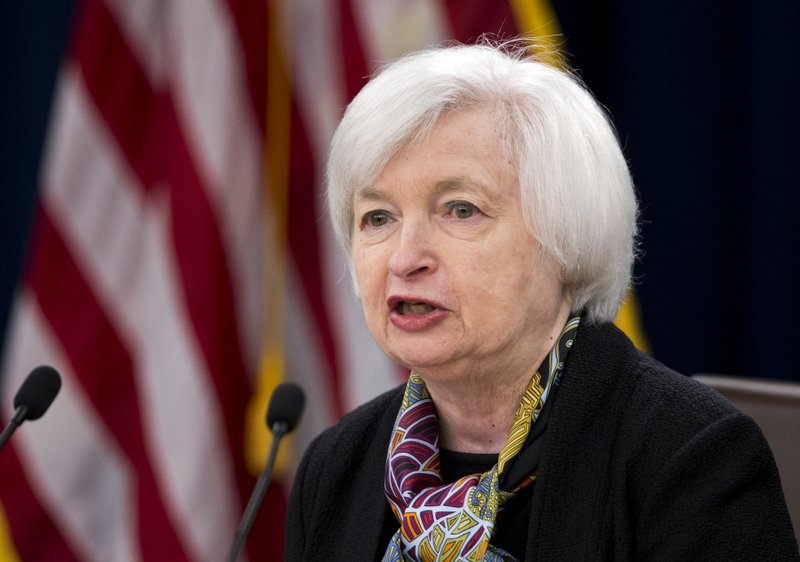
(444, 522)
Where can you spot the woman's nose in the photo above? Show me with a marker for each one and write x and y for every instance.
(415, 253)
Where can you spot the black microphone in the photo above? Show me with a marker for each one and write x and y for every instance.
(33, 398)
(283, 413)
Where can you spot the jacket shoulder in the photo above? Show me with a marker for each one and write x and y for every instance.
(344, 461)
(360, 426)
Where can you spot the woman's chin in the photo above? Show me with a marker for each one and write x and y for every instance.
(432, 362)
(419, 357)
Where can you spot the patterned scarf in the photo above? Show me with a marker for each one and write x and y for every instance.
(455, 521)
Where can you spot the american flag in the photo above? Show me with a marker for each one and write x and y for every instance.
(182, 264)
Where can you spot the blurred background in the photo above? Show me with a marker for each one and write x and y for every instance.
(164, 242)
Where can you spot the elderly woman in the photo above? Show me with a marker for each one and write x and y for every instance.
(490, 220)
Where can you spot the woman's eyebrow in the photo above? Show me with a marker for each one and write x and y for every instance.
(369, 194)
(459, 182)
(453, 183)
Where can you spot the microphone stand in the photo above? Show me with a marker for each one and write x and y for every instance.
(16, 420)
(279, 429)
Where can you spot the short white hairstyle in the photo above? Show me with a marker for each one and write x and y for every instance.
(577, 194)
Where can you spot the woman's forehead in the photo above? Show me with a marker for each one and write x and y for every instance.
(462, 151)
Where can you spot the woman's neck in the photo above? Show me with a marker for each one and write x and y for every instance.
(476, 418)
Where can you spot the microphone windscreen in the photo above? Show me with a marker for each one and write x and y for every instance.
(38, 391)
(286, 405)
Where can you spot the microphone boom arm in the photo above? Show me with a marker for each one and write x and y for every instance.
(16, 420)
(279, 430)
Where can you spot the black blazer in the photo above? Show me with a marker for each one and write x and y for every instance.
(639, 463)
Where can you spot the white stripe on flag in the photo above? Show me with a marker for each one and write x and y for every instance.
(318, 70)
(389, 28)
(307, 366)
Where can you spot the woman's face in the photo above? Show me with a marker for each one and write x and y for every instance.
(451, 280)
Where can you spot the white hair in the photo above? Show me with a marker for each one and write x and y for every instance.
(576, 190)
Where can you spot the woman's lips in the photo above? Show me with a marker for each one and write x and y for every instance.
(413, 315)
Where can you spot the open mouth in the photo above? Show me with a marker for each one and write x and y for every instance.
(413, 307)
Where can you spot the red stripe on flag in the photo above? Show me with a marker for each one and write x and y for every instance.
(354, 64)
(145, 125)
(34, 535)
(252, 24)
(469, 20)
(104, 367)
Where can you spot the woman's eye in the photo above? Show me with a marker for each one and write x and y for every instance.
(462, 209)
(375, 219)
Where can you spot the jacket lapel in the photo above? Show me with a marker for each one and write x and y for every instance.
(569, 494)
